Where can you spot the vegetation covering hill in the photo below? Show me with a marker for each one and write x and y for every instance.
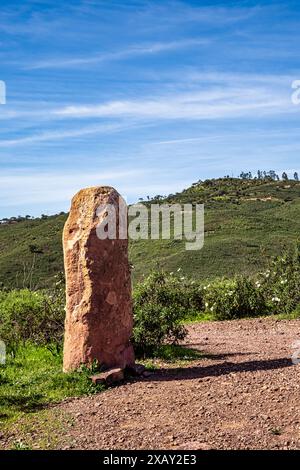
(247, 221)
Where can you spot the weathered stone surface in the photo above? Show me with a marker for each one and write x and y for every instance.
(109, 377)
(98, 287)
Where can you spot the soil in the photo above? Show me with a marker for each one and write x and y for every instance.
(243, 394)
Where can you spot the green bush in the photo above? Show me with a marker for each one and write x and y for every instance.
(296, 313)
(281, 282)
(31, 316)
(274, 291)
(161, 303)
(236, 298)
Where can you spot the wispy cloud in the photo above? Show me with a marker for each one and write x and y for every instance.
(186, 88)
(55, 189)
(66, 134)
(265, 135)
(208, 104)
(55, 186)
(132, 51)
(221, 97)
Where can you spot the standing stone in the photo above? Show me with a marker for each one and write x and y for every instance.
(98, 287)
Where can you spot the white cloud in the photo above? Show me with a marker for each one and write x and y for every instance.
(208, 104)
(58, 186)
(48, 192)
(146, 49)
(210, 96)
(67, 134)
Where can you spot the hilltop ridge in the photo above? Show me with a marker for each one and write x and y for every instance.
(247, 221)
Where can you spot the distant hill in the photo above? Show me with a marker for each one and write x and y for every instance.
(247, 221)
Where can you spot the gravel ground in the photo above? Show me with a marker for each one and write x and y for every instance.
(243, 395)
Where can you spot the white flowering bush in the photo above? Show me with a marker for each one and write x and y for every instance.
(161, 303)
(234, 298)
(168, 297)
(275, 291)
(281, 283)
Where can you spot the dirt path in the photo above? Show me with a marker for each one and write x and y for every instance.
(246, 395)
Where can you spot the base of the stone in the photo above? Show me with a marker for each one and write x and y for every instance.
(113, 376)
(108, 377)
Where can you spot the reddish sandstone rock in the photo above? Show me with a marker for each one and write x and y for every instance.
(98, 287)
(109, 377)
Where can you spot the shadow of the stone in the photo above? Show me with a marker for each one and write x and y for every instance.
(220, 356)
(216, 370)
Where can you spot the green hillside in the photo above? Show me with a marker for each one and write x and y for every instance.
(246, 223)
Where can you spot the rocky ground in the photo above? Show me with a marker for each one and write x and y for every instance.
(244, 394)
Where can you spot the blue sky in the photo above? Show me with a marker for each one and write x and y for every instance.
(146, 96)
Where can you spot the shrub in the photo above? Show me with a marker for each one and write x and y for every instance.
(31, 316)
(155, 324)
(296, 312)
(161, 303)
(275, 291)
(281, 282)
(237, 298)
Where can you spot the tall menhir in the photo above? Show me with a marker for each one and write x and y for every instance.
(99, 317)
